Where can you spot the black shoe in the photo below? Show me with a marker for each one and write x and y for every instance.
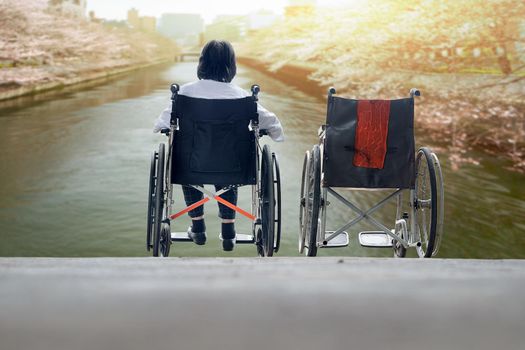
(228, 236)
(228, 244)
(198, 238)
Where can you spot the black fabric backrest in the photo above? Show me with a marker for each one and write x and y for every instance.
(339, 148)
(213, 144)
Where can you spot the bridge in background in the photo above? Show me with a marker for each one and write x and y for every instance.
(188, 52)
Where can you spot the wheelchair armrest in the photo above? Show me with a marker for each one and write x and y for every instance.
(165, 131)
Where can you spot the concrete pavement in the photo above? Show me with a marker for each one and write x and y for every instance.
(255, 303)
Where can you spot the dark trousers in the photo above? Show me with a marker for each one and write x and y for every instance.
(192, 195)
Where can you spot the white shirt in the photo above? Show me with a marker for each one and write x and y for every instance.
(211, 89)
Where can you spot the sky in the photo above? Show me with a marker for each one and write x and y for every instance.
(209, 9)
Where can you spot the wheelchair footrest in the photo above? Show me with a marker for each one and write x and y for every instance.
(243, 238)
(183, 237)
(339, 241)
(180, 237)
(375, 239)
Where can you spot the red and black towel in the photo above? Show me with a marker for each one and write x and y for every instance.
(371, 133)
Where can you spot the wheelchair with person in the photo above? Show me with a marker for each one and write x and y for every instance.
(369, 145)
(214, 141)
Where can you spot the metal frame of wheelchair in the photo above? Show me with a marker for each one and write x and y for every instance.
(265, 205)
(419, 216)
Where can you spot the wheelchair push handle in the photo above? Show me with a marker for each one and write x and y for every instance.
(415, 92)
(255, 91)
(174, 91)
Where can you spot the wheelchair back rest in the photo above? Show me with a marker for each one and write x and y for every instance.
(369, 143)
(214, 144)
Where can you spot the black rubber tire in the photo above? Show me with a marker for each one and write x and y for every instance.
(313, 202)
(424, 157)
(277, 192)
(159, 200)
(302, 205)
(165, 240)
(399, 250)
(151, 200)
(267, 202)
(259, 243)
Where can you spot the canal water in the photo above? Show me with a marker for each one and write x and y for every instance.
(74, 172)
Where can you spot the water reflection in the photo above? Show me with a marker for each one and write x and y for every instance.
(74, 170)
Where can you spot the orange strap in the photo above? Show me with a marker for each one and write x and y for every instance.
(237, 209)
(206, 199)
(191, 207)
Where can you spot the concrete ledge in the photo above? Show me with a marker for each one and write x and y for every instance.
(255, 303)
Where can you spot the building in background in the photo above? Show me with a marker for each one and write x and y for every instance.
(76, 8)
(226, 27)
(133, 18)
(236, 27)
(185, 28)
(148, 23)
(144, 23)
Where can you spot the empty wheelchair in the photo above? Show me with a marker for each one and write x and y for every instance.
(369, 145)
(214, 142)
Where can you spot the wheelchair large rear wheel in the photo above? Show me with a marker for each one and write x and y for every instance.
(159, 200)
(151, 200)
(277, 193)
(267, 199)
(428, 202)
(440, 203)
(313, 201)
(303, 214)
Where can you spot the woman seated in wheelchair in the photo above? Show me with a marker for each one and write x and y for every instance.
(215, 71)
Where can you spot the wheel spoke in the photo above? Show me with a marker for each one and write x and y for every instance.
(425, 202)
(424, 239)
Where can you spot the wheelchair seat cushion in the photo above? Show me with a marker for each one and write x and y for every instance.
(369, 143)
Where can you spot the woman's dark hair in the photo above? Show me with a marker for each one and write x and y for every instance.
(217, 62)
